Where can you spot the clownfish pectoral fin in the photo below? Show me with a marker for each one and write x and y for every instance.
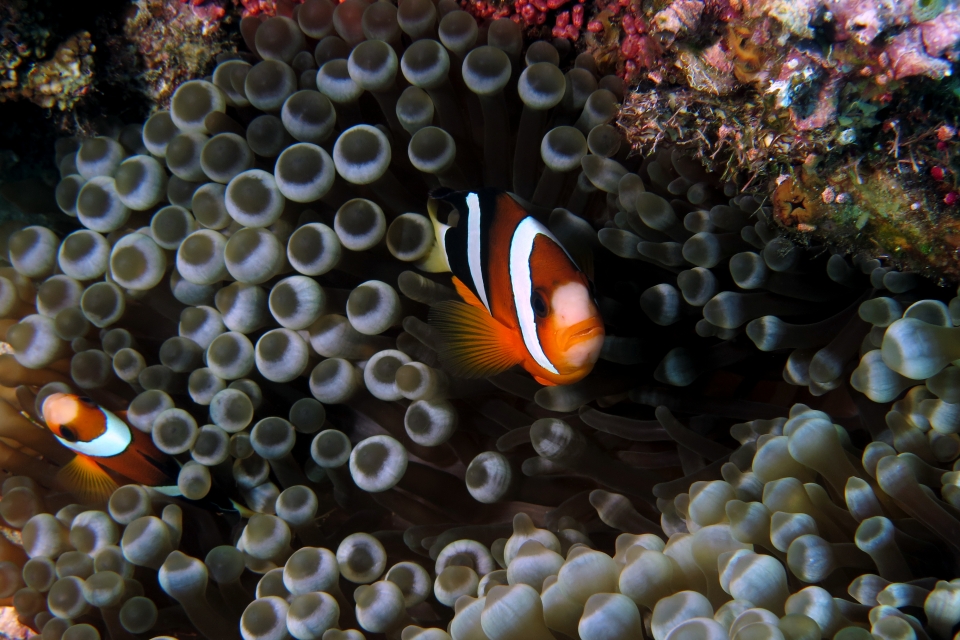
(473, 343)
(87, 480)
(544, 382)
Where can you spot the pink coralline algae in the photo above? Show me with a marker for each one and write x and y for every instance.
(569, 23)
(907, 57)
(887, 40)
(639, 41)
(208, 11)
(864, 20)
(941, 34)
(632, 50)
(535, 11)
(559, 18)
(681, 15)
(265, 8)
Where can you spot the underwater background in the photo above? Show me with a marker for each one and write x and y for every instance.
(218, 249)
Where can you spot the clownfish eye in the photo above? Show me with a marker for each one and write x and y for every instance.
(87, 401)
(539, 304)
(68, 434)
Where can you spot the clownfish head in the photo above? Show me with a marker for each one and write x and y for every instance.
(73, 418)
(569, 329)
(82, 425)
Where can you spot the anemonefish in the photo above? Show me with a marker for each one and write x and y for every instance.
(525, 301)
(100, 438)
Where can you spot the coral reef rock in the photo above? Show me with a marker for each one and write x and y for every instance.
(26, 72)
(165, 43)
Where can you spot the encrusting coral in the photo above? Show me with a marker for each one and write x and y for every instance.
(766, 449)
(163, 43)
(32, 68)
(851, 101)
(53, 78)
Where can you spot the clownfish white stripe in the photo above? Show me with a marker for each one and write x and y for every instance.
(521, 247)
(474, 249)
(112, 442)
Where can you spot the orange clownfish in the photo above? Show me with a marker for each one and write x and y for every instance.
(527, 302)
(100, 438)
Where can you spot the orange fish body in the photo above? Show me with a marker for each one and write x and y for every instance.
(100, 438)
(526, 301)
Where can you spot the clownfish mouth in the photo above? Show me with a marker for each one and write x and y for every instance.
(585, 333)
(581, 332)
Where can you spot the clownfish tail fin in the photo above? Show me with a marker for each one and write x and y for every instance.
(87, 481)
(473, 344)
(436, 260)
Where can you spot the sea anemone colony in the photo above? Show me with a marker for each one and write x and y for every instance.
(766, 448)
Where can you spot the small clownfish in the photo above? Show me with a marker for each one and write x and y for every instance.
(100, 438)
(526, 301)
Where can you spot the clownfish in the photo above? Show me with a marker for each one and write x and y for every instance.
(525, 301)
(100, 439)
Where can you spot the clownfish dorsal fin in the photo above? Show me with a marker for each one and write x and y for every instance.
(436, 260)
(86, 480)
(468, 296)
(473, 343)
